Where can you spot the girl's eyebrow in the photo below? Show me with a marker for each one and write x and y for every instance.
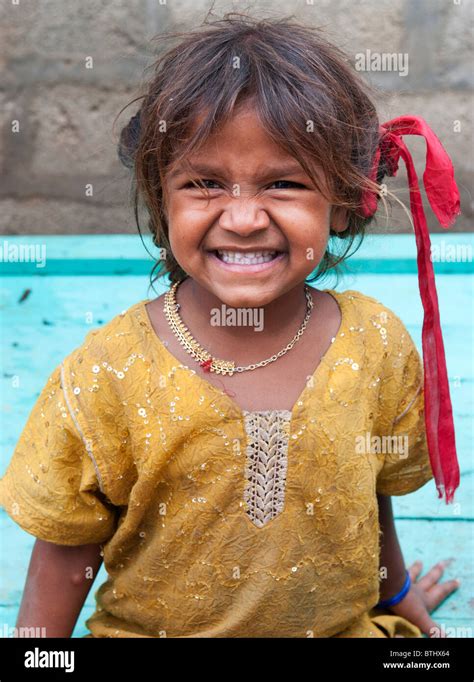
(262, 173)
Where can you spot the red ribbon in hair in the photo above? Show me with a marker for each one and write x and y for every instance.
(443, 196)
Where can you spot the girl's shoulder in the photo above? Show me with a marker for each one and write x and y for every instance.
(98, 373)
(378, 336)
(117, 340)
(380, 343)
(367, 313)
(358, 300)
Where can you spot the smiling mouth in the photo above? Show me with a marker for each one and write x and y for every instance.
(247, 257)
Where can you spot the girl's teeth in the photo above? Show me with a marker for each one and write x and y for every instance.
(247, 258)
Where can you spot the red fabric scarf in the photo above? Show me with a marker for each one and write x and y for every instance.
(443, 196)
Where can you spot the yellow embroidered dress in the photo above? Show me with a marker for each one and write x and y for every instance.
(217, 522)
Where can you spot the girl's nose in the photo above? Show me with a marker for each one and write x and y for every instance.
(244, 216)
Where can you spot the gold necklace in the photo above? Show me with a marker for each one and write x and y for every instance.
(201, 355)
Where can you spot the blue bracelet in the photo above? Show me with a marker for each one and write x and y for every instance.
(398, 597)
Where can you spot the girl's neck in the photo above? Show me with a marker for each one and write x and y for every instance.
(264, 327)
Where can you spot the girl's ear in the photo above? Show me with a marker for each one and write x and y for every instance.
(338, 218)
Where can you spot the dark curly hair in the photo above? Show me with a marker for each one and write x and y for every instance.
(309, 99)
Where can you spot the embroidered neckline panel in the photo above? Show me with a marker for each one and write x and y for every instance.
(266, 463)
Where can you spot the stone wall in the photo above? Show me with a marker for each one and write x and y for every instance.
(56, 113)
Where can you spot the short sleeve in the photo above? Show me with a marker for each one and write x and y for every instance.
(406, 464)
(52, 487)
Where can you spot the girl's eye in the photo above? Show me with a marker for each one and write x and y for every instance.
(203, 182)
(287, 182)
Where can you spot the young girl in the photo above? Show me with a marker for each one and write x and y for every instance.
(230, 448)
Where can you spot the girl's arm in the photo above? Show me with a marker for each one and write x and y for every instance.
(58, 582)
(425, 595)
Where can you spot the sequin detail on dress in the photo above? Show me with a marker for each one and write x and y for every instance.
(266, 465)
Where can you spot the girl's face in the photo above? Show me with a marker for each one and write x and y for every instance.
(261, 202)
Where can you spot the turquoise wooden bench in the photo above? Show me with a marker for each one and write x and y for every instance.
(105, 274)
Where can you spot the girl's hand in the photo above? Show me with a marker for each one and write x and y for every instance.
(424, 596)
